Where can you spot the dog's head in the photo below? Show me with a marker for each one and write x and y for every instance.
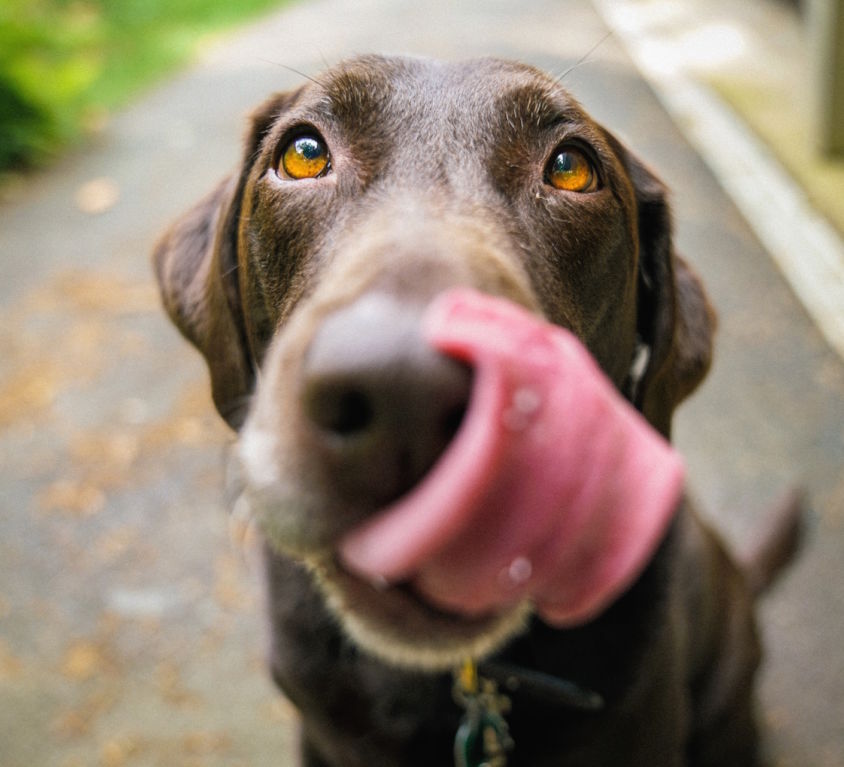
(363, 195)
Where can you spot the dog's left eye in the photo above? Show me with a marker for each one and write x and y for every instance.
(571, 170)
(305, 157)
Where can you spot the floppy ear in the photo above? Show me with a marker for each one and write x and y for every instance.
(196, 263)
(675, 320)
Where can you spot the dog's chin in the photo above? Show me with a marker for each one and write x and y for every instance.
(400, 628)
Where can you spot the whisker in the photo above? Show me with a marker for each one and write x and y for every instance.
(583, 59)
(293, 70)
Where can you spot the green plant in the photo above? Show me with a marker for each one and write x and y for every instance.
(65, 62)
(48, 61)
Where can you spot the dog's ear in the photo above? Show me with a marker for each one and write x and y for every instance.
(196, 263)
(676, 324)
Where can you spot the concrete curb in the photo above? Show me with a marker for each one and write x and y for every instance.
(806, 248)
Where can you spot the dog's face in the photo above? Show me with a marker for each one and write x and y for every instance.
(363, 195)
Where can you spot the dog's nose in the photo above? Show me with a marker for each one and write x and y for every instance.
(381, 405)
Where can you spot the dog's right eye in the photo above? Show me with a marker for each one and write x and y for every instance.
(571, 170)
(305, 157)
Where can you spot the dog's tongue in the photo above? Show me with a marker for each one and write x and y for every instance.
(554, 489)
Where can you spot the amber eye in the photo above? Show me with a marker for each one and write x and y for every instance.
(571, 170)
(305, 157)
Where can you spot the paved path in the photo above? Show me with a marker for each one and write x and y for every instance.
(130, 630)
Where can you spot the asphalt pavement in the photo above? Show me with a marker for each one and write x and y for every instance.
(130, 628)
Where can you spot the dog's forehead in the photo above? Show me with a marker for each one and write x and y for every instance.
(401, 86)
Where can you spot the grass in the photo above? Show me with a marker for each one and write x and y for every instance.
(64, 64)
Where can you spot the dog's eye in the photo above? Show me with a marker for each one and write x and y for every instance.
(305, 157)
(570, 170)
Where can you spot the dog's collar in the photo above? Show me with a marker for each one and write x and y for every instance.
(550, 689)
(638, 368)
(483, 737)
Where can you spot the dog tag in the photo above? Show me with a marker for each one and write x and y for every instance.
(483, 737)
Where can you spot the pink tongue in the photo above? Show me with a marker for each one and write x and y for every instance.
(554, 489)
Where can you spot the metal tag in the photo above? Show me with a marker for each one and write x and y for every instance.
(483, 737)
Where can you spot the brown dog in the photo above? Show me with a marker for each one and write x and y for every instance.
(362, 196)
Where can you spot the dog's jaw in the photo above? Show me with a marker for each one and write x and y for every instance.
(396, 626)
(387, 621)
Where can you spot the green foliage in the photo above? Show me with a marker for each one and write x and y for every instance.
(46, 64)
(63, 63)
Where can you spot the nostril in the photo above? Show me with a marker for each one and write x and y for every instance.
(338, 408)
(380, 405)
(452, 419)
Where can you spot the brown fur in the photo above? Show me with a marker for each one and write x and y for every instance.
(436, 181)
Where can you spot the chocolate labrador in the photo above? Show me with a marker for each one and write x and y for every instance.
(303, 278)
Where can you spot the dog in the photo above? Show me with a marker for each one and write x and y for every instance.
(362, 196)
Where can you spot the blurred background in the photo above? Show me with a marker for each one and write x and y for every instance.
(130, 627)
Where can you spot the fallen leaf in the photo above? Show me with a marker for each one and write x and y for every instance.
(78, 721)
(72, 724)
(203, 743)
(229, 589)
(82, 660)
(112, 544)
(172, 688)
(109, 452)
(116, 752)
(104, 292)
(97, 195)
(10, 664)
(27, 392)
(73, 497)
